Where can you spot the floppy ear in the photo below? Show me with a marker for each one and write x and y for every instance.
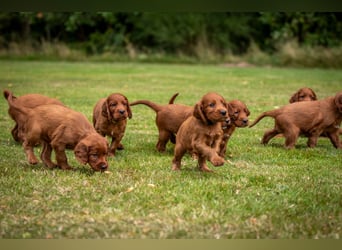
(129, 111)
(105, 111)
(314, 94)
(81, 152)
(247, 112)
(338, 101)
(230, 109)
(198, 112)
(294, 98)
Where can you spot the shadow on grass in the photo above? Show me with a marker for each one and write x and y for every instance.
(86, 170)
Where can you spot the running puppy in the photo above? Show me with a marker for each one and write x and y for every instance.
(238, 113)
(201, 133)
(310, 119)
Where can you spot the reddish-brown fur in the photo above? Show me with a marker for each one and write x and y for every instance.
(29, 101)
(306, 94)
(110, 118)
(168, 119)
(201, 133)
(310, 119)
(59, 128)
(238, 113)
(303, 94)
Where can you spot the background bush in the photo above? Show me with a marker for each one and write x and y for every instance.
(200, 36)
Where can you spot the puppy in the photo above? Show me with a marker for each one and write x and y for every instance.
(238, 114)
(303, 94)
(29, 101)
(110, 118)
(310, 119)
(201, 133)
(168, 119)
(306, 94)
(59, 128)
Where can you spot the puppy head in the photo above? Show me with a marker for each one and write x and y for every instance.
(211, 109)
(228, 121)
(93, 150)
(338, 101)
(116, 108)
(239, 113)
(303, 94)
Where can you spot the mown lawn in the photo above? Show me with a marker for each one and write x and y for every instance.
(261, 192)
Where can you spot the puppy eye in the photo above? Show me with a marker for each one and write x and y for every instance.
(212, 105)
(93, 156)
(113, 105)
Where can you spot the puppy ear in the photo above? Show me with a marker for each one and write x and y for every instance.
(314, 95)
(338, 101)
(230, 109)
(105, 111)
(198, 112)
(81, 152)
(294, 98)
(247, 112)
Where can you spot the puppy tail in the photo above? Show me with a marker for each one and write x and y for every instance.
(7, 93)
(271, 113)
(12, 104)
(150, 104)
(173, 98)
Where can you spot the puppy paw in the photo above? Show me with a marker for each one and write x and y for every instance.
(175, 167)
(66, 167)
(206, 169)
(33, 161)
(217, 161)
(120, 147)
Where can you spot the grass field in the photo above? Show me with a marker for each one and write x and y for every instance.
(261, 192)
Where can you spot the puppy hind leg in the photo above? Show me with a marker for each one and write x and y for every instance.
(15, 133)
(28, 148)
(164, 137)
(291, 137)
(335, 139)
(46, 155)
(269, 135)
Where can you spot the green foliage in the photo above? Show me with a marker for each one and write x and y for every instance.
(261, 192)
(190, 34)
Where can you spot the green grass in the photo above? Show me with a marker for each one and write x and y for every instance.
(263, 192)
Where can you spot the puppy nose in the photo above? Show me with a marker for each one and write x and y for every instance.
(223, 112)
(121, 111)
(103, 167)
(245, 121)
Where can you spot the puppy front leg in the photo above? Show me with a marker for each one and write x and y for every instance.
(178, 155)
(115, 144)
(209, 153)
(61, 158)
(46, 155)
(203, 165)
(312, 141)
(335, 139)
